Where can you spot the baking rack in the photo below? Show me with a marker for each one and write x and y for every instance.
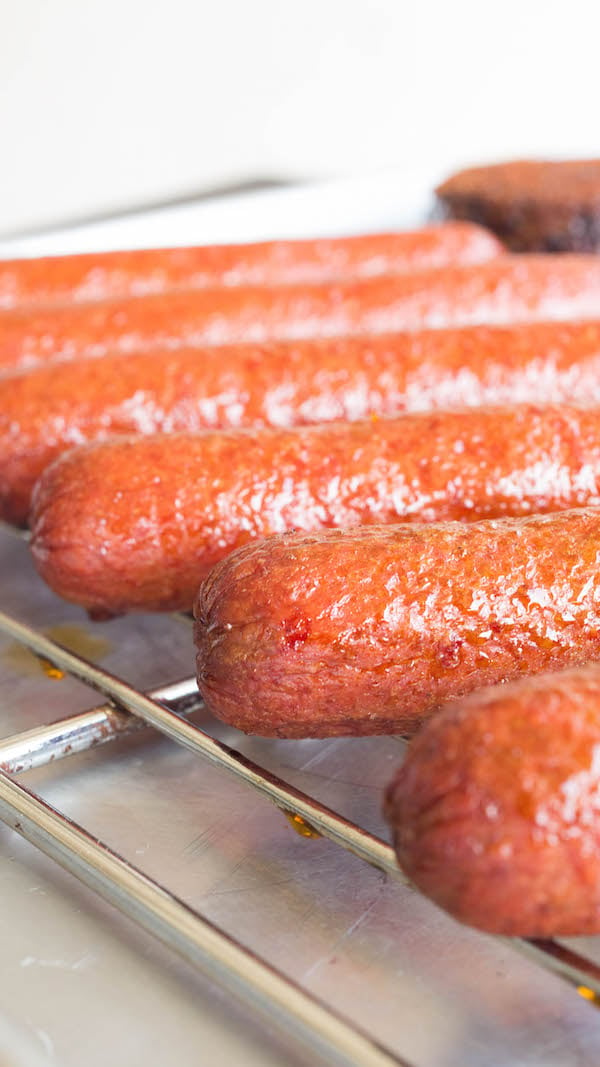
(219, 956)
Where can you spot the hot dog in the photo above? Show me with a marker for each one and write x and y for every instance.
(534, 205)
(49, 409)
(106, 275)
(137, 524)
(503, 290)
(495, 811)
(370, 630)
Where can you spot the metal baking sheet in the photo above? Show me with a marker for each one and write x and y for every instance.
(81, 984)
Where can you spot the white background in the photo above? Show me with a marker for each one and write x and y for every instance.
(107, 104)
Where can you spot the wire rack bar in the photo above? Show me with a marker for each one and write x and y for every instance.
(286, 797)
(577, 970)
(78, 733)
(197, 940)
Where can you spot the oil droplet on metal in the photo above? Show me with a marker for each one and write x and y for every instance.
(79, 640)
(50, 670)
(76, 638)
(300, 825)
(22, 661)
(588, 994)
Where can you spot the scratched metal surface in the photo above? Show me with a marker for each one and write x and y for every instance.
(80, 984)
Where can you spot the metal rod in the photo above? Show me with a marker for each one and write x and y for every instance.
(563, 961)
(195, 938)
(365, 845)
(78, 733)
(568, 965)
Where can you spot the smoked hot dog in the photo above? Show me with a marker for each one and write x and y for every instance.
(49, 409)
(496, 810)
(370, 630)
(106, 275)
(507, 289)
(137, 524)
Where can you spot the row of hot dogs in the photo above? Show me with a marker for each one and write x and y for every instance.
(368, 628)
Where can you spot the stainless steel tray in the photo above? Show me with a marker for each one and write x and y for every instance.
(372, 965)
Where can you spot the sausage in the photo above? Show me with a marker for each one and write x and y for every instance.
(503, 290)
(49, 409)
(370, 630)
(137, 524)
(534, 205)
(495, 810)
(106, 275)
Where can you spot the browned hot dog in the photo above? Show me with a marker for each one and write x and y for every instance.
(370, 630)
(534, 205)
(106, 275)
(504, 290)
(49, 409)
(496, 810)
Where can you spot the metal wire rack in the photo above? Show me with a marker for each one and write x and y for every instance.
(168, 711)
(152, 905)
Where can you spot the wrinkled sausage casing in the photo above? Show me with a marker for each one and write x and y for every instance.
(370, 630)
(45, 411)
(506, 289)
(137, 524)
(105, 275)
(496, 810)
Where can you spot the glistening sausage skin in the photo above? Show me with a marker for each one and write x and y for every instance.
(49, 409)
(506, 289)
(137, 524)
(370, 630)
(106, 275)
(496, 810)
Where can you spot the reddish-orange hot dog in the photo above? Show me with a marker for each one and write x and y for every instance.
(370, 630)
(503, 290)
(496, 810)
(137, 524)
(49, 409)
(106, 275)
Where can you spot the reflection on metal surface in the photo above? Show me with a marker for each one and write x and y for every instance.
(26, 664)
(78, 733)
(305, 814)
(196, 939)
(70, 635)
(577, 970)
(363, 844)
(79, 639)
